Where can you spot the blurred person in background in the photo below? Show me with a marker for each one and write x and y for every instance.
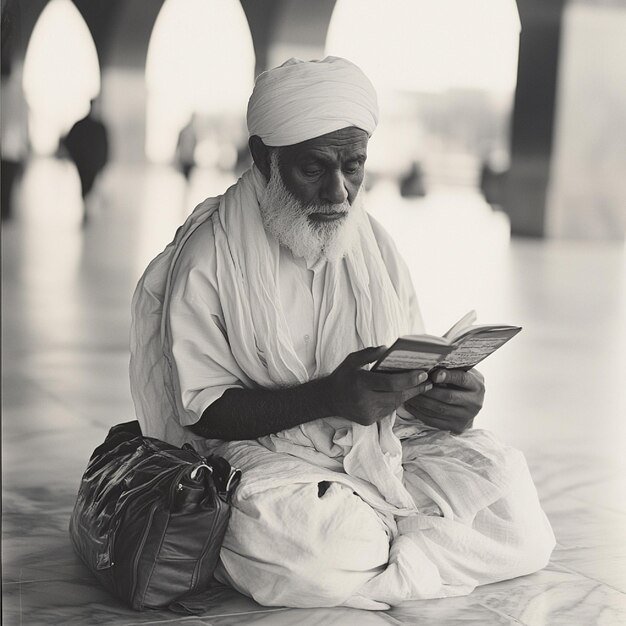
(14, 152)
(14, 145)
(492, 178)
(252, 337)
(412, 183)
(87, 145)
(186, 147)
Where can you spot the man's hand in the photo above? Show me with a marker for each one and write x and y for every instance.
(365, 397)
(453, 402)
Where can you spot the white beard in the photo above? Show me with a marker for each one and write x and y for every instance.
(286, 218)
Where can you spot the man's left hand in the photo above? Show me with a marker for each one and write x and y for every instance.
(453, 402)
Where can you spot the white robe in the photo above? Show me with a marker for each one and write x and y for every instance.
(410, 512)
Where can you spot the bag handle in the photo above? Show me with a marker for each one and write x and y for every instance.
(234, 478)
(194, 472)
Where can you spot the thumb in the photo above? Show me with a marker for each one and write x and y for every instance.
(365, 356)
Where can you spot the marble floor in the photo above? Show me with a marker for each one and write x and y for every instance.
(557, 391)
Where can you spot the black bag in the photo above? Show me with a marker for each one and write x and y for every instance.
(150, 518)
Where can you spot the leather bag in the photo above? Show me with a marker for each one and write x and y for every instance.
(150, 518)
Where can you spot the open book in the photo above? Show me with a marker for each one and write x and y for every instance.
(463, 346)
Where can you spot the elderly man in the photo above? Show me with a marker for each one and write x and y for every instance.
(252, 335)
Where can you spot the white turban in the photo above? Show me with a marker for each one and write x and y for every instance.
(300, 100)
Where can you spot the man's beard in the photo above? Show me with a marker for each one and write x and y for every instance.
(286, 218)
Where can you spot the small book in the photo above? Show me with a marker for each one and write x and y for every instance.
(463, 346)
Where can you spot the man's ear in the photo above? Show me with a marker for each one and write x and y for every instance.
(260, 155)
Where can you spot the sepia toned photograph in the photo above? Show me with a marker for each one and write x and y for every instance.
(313, 312)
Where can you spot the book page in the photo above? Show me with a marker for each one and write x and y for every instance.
(474, 348)
(408, 360)
(411, 355)
(465, 322)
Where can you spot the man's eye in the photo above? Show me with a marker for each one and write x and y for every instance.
(312, 171)
(353, 168)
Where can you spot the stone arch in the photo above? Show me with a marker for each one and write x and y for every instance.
(200, 65)
(124, 47)
(300, 30)
(121, 32)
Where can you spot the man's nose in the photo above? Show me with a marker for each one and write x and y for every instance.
(334, 190)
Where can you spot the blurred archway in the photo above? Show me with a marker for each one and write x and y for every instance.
(200, 60)
(445, 73)
(61, 74)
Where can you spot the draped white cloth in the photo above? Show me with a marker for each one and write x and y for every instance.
(409, 512)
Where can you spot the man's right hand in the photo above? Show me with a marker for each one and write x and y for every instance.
(350, 391)
(365, 397)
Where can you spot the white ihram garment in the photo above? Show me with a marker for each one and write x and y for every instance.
(410, 512)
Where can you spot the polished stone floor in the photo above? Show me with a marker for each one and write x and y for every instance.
(557, 391)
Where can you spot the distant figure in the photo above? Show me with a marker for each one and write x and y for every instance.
(14, 146)
(186, 147)
(412, 184)
(87, 145)
(492, 180)
(10, 171)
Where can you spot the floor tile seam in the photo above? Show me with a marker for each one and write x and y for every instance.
(583, 578)
(584, 546)
(553, 494)
(595, 460)
(184, 618)
(481, 594)
(598, 506)
(98, 350)
(574, 497)
(592, 579)
(502, 614)
(53, 395)
(28, 378)
(9, 438)
(541, 459)
(67, 405)
(617, 552)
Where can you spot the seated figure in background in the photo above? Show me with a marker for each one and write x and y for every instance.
(252, 336)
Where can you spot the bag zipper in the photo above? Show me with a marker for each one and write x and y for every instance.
(139, 550)
(177, 484)
(118, 514)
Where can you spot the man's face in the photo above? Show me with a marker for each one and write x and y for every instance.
(311, 203)
(326, 170)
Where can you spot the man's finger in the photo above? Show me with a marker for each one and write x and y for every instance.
(396, 382)
(458, 378)
(435, 407)
(452, 395)
(365, 356)
(407, 394)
